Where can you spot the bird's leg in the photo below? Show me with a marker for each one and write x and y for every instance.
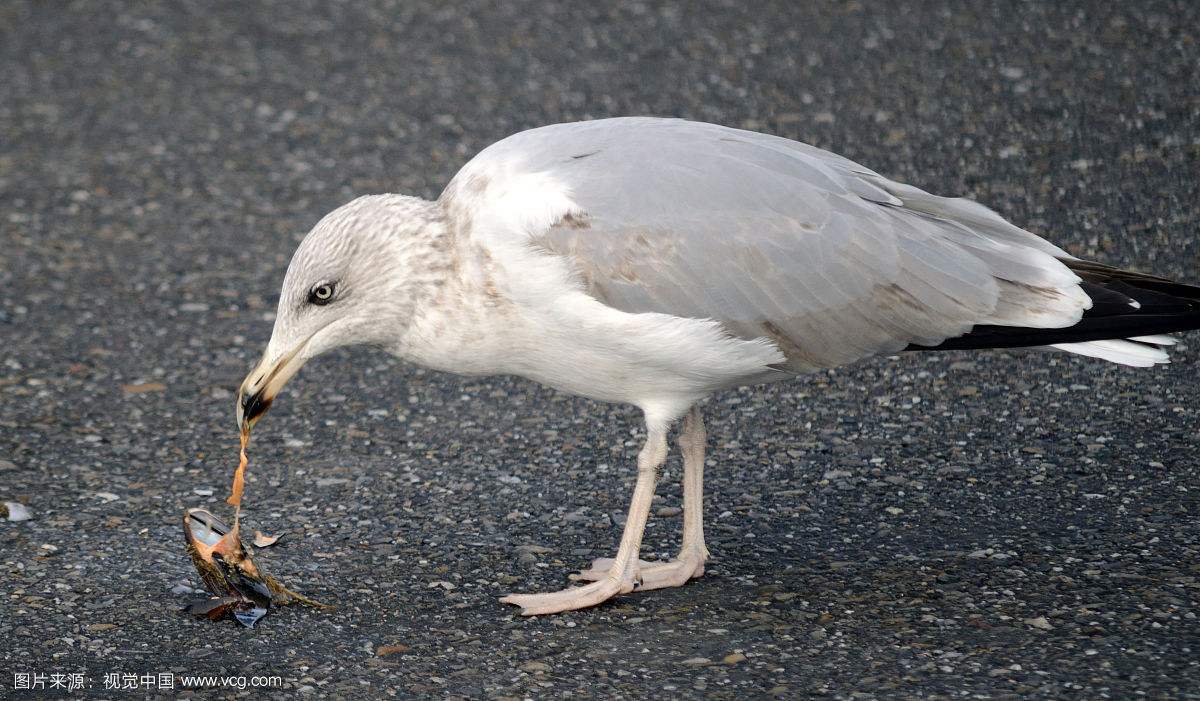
(622, 576)
(692, 554)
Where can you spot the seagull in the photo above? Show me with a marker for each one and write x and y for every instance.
(654, 262)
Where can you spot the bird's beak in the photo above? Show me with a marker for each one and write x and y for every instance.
(259, 388)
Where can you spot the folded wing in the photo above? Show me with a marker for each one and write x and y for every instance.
(772, 238)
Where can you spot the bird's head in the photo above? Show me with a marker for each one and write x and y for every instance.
(347, 284)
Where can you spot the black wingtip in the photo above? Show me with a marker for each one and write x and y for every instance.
(1125, 304)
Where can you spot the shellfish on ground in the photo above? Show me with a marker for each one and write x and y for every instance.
(237, 585)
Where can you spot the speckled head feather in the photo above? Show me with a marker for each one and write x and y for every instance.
(365, 252)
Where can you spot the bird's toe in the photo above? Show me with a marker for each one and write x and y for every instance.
(570, 599)
(600, 569)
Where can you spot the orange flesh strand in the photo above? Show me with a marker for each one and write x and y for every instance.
(239, 477)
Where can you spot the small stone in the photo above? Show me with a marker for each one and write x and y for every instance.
(144, 387)
(203, 491)
(668, 511)
(385, 650)
(535, 667)
(107, 496)
(733, 658)
(697, 662)
(100, 627)
(15, 511)
(894, 510)
(1039, 622)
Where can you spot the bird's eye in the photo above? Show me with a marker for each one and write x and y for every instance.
(321, 294)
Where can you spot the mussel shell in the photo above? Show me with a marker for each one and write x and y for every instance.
(237, 585)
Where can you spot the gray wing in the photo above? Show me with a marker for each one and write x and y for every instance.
(778, 239)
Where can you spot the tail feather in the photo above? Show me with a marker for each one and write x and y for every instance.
(1130, 312)
(1124, 352)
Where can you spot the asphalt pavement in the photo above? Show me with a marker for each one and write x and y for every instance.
(958, 525)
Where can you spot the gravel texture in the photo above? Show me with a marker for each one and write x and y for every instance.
(985, 525)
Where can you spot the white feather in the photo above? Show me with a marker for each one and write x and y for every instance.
(1159, 340)
(1123, 352)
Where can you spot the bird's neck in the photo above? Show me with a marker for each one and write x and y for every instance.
(456, 306)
